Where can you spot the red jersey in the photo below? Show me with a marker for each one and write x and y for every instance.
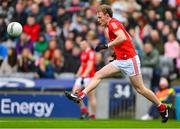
(32, 31)
(126, 49)
(88, 55)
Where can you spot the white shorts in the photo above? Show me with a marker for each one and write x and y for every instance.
(78, 84)
(130, 66)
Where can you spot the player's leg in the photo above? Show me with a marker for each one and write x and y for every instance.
(102, 73)
(106, 71)
(138, 84)
(77, 88)
(132, 69)
(92, 102)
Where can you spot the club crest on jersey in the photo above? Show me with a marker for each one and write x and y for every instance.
(114, 25)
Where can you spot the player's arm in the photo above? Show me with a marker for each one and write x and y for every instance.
(121, 37)
(88, 68)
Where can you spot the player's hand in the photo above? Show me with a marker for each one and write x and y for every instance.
(101, 47)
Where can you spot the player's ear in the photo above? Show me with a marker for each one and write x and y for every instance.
(107, 15)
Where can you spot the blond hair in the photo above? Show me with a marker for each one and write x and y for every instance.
(106, 9)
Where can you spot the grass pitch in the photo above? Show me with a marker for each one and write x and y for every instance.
(29, 123)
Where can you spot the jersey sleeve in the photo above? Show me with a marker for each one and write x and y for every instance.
(114, 26)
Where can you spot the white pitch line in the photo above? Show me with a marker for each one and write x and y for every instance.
(89, 128)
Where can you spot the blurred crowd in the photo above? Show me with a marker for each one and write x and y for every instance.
(53, 29)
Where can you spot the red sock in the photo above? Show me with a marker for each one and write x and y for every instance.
(81, 94)
(93, 116)
(162, 107)
(84, 109)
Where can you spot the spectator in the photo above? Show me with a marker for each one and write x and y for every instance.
(142, 29)
(24, 42)
(6, 10)
(156, 5)
(89, 16)
(156, 41)
(44, 70)
(58, 61)
(165, 32)
(47, 19)
(52, 48)
(100, 34)
(78, 39)
(172, 47)
(10, 64)
(40, 45)
(178, 12)
(71, 57)
(133, 6)
(150, 58)
(172, 50)
(50, 32)
(75, 6)
(26, 61)
(65, 30)
(95, 4)
(3, 51)
(49, 7)
(92, 26)
(35, 11)
(174, 26)
(46, 56)
(43, 67)
(84, 30)
(28, 4)
(77, 21)
(32, 28)
(20, 15)
(152, 18)
(168, 17)
(159, 26)
(71, 35)
(62, 16)
(166, 94)
(137, 42)
(119, 8)
(3, 30)
(76, 58)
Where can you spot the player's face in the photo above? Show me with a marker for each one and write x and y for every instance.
(83, 45)
(102, 18)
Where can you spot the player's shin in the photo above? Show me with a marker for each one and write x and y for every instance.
(92, 85)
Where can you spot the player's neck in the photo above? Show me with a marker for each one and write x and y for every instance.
(109, 19)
